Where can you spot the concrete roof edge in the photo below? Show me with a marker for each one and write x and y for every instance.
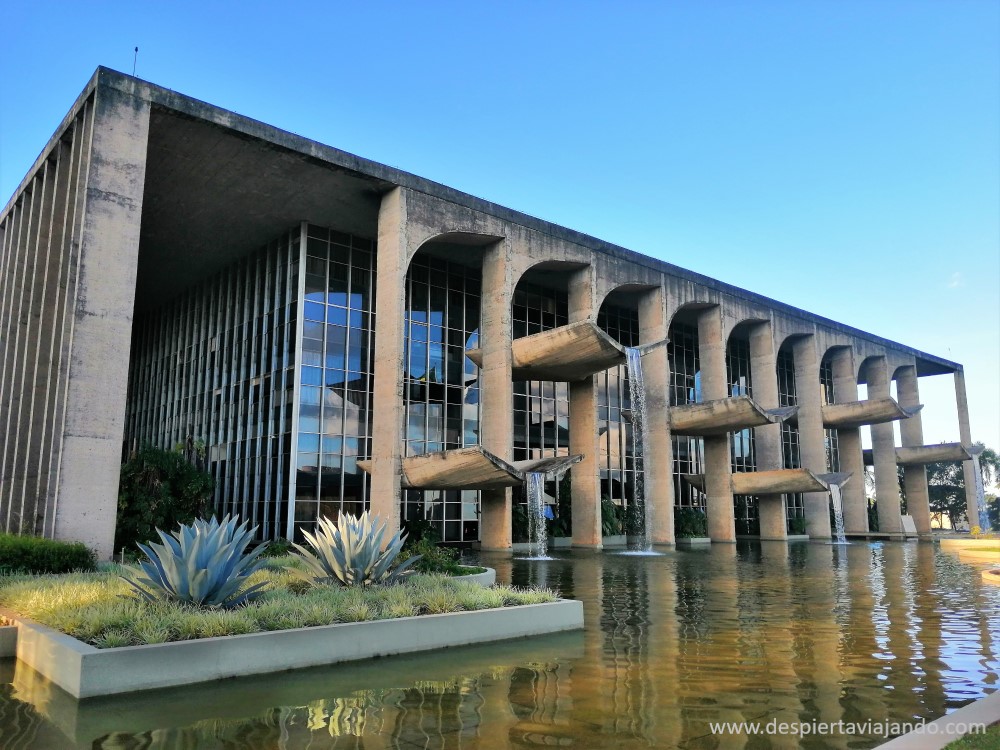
(391, 177)
(88, 89)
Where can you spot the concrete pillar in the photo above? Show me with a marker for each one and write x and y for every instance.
(812, 439)
(890, 520)
(659, 459)
(586, 485)
(845, 389)
(965, 434)
(718, 463)
(911, 433)
(767, 439)
(496, 394)
(94, 419)
(387, 386)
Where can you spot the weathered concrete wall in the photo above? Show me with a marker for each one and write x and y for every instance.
(845, 389)
(767, 439)
(69, 266)
(911, 433)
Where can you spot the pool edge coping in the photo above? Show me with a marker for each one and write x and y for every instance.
(983, 711)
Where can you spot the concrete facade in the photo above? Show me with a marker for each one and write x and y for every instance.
(119, 216)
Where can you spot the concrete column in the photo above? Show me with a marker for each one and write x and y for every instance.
(387, 386)
(911, 433)
(94, 420)
(767, 439)
(658, 462)
(586, 485)
(845, 389)
(496, 395)
(965, 434)
(718, 463)
(812, 440)
(890, 520)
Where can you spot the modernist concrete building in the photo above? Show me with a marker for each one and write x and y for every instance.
(340, 333)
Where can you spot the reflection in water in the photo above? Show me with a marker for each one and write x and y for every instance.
(749, 632)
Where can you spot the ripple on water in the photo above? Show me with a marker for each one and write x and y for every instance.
(786, 632)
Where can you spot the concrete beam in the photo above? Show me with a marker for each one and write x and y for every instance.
(854, 414)
(780, 481)
(569, 353)
(722, 416)
(473, 468)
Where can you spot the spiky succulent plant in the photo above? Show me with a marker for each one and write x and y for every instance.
(201, 563)
(349, 552)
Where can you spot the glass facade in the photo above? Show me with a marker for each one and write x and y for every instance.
(267, 368)
(440, 384)
(829, 397)
(794, 506)
(619, 466)
(333, 428)
(741, 444)
(216, 365)
(685, 388)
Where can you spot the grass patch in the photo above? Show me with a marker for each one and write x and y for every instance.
(990, 740)
(101, 609)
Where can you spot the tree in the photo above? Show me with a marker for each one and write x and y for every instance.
(946, 490)
(158, 489)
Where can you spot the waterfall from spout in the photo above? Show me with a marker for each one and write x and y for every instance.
(984, 516)
(838, 514)
(637, 389)
(538, 536)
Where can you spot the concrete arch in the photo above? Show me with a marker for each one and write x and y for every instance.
(788, 339)
(554, 266)
(455, 238)
(744, 327)
(690, 308)
(645, 299)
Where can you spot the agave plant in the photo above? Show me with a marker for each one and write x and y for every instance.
(349, 552)
(202, 563)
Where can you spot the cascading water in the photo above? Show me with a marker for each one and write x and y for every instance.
(637, 389)
(838, 514)
(538, 537)
(984, 516)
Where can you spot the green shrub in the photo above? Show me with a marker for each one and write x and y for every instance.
(519, 523)
(436, 559)
(31, 554)
(689, 522)
(562, 524)
(277, 548)
(797, 525)
(158, 489)
(612, 517)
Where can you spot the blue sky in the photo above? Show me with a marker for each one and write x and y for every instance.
(843, 157)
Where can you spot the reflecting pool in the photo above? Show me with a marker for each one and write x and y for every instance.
(753, 632)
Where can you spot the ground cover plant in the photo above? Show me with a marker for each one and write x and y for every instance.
(101, 608)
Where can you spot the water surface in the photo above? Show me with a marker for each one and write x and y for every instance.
(753, 632)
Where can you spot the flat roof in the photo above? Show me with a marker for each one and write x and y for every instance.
(328, 169)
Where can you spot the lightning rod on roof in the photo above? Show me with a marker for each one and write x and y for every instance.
(134, 58)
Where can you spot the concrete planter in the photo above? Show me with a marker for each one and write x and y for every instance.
(618, 540)
(692, 541)
(487, 578)
(85, 671)
(8, 641)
